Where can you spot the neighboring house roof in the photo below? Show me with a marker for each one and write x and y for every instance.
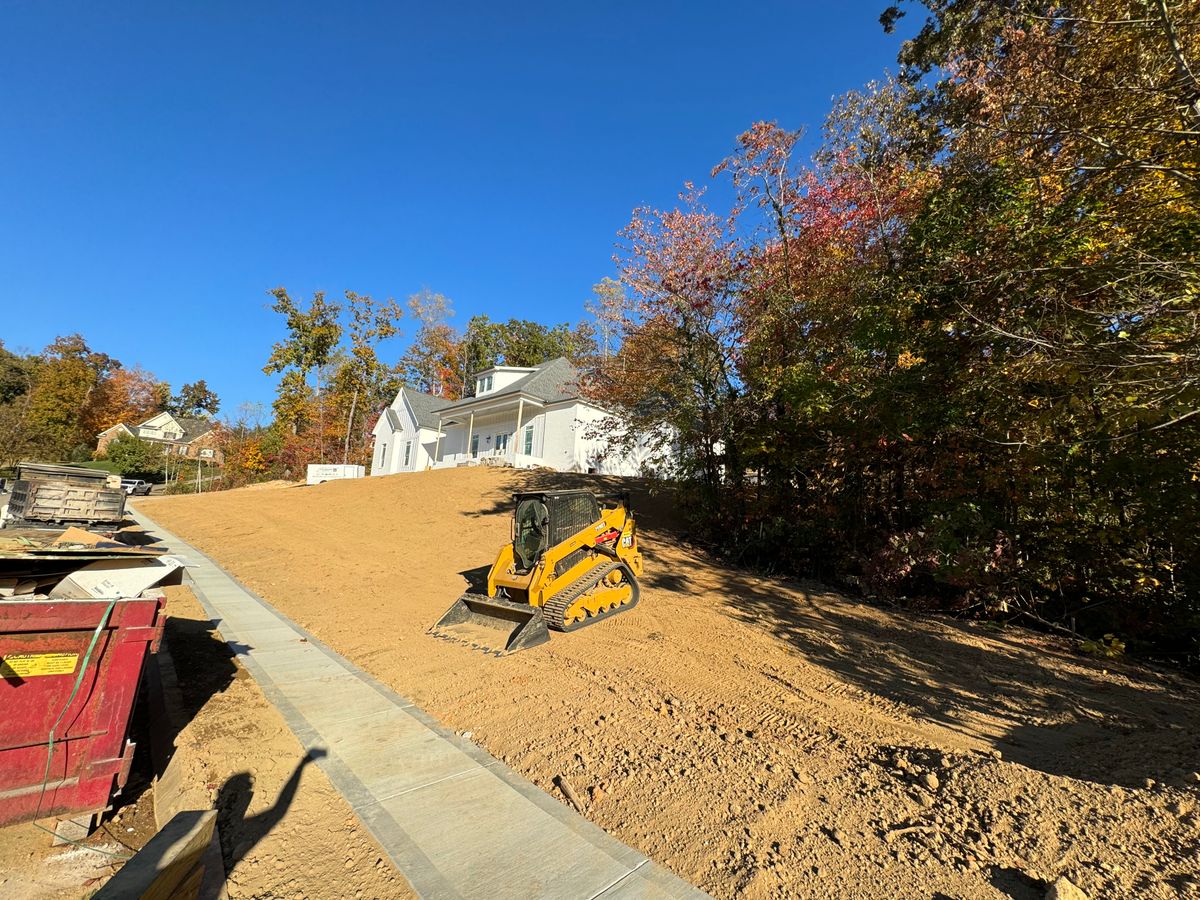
(121, 425)
(193, 427)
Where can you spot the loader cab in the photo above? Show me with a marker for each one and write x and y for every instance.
(546, 519)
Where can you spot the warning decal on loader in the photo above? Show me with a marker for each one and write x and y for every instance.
(24, 665)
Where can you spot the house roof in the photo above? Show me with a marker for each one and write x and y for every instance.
(424, 407)
(550, 382)
(193, 427)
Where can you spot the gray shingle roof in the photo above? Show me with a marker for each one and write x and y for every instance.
(424, 407)
(193, 427)
(551, 381)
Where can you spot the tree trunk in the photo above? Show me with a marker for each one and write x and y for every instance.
(349, 427)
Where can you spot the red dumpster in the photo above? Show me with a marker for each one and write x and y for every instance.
(50, 682)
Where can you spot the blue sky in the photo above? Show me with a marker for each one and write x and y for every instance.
(164, 164)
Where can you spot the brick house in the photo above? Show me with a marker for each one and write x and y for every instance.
(182, 437)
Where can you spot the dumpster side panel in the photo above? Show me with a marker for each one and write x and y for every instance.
(43, 647)
(64, 502)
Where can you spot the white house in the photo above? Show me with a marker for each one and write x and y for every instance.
(519, 416)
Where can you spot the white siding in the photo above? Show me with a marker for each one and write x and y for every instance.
(560, 439)
(488, 427)
(383, 443)
(500, 378)
(388, 457)
(582, 447)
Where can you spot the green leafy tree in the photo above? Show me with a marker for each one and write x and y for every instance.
(195, 399)
(130, 455)
(313, 333)
(65, 387)
(432, 362)
(363, 376)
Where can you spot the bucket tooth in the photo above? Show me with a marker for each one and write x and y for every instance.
(491, 624)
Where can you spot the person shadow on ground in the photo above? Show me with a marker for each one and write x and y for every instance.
(241, 833)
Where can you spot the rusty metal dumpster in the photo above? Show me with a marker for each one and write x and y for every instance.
(69, 675)
(48, 495)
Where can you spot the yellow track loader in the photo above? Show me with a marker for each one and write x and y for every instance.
(570, 564)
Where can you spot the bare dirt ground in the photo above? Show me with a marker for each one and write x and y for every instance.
(759, 737)
(284, 828)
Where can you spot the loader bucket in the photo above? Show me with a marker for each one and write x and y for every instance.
(489, 623)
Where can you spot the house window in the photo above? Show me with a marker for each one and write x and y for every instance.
(407, 452)
(206, 453)
(182, 451)
(528, 440)
(474, 444)
(382, 452)
(483, 385)
(502, 443)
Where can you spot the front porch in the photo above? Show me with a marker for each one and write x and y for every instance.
(498, 432)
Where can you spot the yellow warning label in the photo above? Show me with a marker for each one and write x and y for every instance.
(24, 665)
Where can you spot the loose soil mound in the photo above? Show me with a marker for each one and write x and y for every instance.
(757, 736)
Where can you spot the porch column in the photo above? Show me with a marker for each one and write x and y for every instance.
(520, 409)
(437, 444)
(470, 431)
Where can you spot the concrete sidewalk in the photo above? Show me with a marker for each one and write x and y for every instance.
(455, 821)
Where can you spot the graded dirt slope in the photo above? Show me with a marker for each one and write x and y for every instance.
(759, 737)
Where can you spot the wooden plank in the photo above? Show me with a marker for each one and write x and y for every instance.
(170, 866)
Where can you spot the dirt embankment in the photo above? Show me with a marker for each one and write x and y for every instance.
(757, 736)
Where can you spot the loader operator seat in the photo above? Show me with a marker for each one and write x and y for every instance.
(529, 542)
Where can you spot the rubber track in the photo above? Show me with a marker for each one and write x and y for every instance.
(556, 607)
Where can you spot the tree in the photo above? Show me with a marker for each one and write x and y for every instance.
(195, 400)
(527, 343)
(677, 365)
(58, 413)
(313, 335)
(483, 345)
(125, 396)
(608, 309)
(432, 363)
(17, 376)
(371, 322)
(131, 455)
(955, 357)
